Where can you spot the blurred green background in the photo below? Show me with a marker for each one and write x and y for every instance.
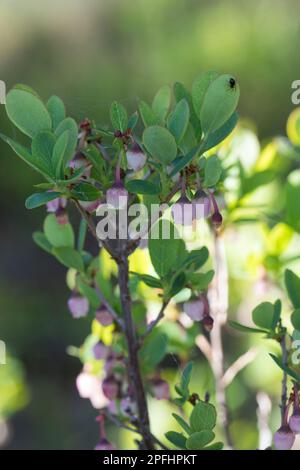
(89, 53)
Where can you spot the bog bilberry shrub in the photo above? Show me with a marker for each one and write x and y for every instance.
(165, 154)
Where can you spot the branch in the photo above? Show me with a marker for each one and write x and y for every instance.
(153, 324)
(238, 365)
(134, 373)
(284, 379)
(264, 408)
(218, 299)
(122, 425)
(205, 347)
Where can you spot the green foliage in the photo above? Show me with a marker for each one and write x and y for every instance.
(219, 103)
(142, 187)
(69, 257)
(263, 315)
(200, 87)
(203, 417)
(198, 433)
(57, 111)
(39, 199)
(118, 117)
(58, 235)
(212, 171)
(160, 143)
(161, 102)
(27, 112)
(292, 284)
(179, 119)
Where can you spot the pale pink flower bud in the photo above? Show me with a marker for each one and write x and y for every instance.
(79, 161)
(53, 205)
(195, 309)
(208, 323)
(182, 211)
(103, 316)
(136, 158)
(201, 205)
(160, 389)
(128, 406)
(110, 387)
(217, 219)
(117, 196)
(104, 444)
(294, 423)
(78, 306)
(61, 216)
(284, 438)
(100, 350)
(90, 206)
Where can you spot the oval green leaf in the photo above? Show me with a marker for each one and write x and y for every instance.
(27, 112)
(220, 101)
(160, 143)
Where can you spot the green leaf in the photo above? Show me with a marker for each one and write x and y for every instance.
(142, 187)
(188, 141)
(292, 197)
(177, 284)
(149, 280)
(69, 257)
(161, 102)
(148, 116)
(245, 329)
(39, 199)
(85, 192)
(181, 92)
(177, 439)
(25, 154)
(203, 417)
(220, 134)
(277, 313)
(133, 120)
(88, 292)
(215, 446)
(286, 369)
(118, 116)
(200, 439)
(70, 125)
(58, 234)
(42, 149)
(196, 259)
(212, 171)
(167, 254)
(56, 109)
(27, 112)
(160, 144)
(200, 281)
(200, 87)
(153, 349)
(59, 153)
(179, 119)
(186, 376)
(82, 232)
(263, 315)
(219, 103)
(41, 240)
(182, 423)
(295, 319)
(94, 156)
(292, 284)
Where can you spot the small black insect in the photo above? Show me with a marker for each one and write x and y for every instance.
(232, 82)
